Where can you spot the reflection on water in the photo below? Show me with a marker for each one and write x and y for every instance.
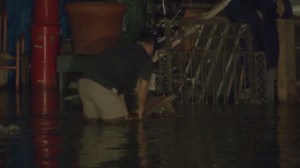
(100, 144)
(45, 128)
(121, 145)
(289, 136)
(209, 137)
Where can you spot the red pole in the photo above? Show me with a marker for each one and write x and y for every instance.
(44, 48)
(45, 12)
(44, 44)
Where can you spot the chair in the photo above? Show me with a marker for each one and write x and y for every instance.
(5, 58)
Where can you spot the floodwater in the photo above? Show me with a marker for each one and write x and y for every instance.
(42, 130)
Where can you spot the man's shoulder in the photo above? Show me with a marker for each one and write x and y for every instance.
(129, 51)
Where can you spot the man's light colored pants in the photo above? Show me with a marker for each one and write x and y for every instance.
(99, 102)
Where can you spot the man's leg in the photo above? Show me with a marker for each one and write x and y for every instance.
(89, 107)
(107, 103)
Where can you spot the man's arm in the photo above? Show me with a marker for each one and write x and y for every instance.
(142, 96)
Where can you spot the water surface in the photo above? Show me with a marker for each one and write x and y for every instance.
(51, 132)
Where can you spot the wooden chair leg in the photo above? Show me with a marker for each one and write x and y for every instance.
(17, 65)
(4, 32)
(1, 29)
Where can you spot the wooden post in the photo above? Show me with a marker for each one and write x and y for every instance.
(286, 65)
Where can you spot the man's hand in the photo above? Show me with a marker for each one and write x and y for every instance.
(139, 113)
(126, 113)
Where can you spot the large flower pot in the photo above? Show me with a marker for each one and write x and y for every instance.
(95, 26)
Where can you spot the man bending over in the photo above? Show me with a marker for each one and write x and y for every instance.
(114, 73)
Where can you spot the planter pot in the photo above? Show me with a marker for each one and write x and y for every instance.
(95, 26)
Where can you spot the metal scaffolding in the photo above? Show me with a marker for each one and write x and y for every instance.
(210, 61)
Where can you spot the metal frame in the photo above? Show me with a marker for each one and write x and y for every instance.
(210, 61)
